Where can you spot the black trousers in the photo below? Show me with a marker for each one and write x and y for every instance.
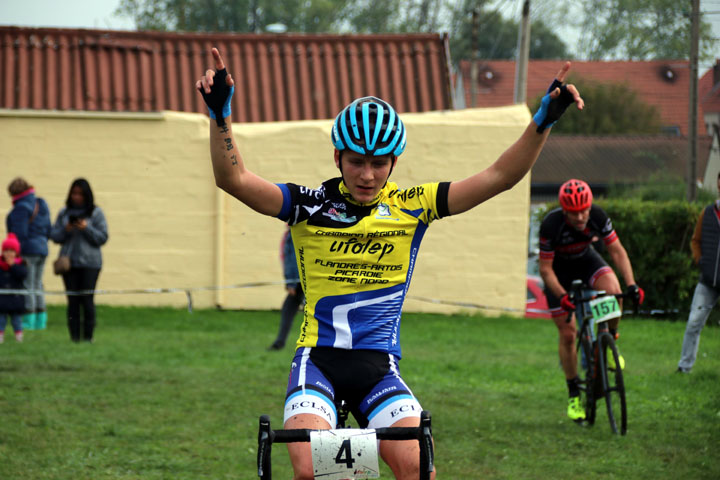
(81, 308)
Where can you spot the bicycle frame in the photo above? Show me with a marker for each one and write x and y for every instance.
(422, 433)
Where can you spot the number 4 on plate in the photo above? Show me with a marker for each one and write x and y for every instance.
(344, 454)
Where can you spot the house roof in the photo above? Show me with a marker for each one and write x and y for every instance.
(664, 84)
(615, 159)
(278, 76)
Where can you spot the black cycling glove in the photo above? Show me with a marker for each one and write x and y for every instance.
(637, 293)
(551, 109)
(218, 100)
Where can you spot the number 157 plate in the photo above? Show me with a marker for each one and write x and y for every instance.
(605, 308)
(344, 454)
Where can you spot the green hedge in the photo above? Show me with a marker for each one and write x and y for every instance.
(656, 236)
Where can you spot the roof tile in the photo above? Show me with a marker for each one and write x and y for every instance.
(279, 76)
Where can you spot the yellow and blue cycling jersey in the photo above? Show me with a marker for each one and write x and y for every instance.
(356, 260)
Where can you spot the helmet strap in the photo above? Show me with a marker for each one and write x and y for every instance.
(393, 159)
(342, 175)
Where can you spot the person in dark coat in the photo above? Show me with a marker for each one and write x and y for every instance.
(81, 229)
(705, 247)
(29, 220)
(12, 273)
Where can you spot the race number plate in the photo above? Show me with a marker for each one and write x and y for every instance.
(605, 308)
(344, 454)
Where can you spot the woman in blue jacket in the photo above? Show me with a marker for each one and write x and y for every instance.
(29, 220)
(81, 229)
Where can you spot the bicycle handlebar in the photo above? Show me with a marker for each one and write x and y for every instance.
(422, 433)
(580, 291)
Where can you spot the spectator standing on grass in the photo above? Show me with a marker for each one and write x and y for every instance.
(295, 295)
(81, 229)
(356, 238)
(705, 247)
(29, 220)
(12, 273)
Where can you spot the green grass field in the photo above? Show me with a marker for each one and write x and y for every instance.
(166, 394)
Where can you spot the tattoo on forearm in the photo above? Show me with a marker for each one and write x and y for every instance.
(224, 129)
(233, 159)
(228, 144)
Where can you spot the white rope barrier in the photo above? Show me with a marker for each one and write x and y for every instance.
(188, 291)
(464, 304)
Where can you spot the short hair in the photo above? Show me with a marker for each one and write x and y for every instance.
(18, 186)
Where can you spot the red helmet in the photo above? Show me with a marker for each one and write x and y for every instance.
(575, 195)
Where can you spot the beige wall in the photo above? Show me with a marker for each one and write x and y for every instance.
(170, 227)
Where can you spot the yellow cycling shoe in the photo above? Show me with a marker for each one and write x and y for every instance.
(611, 362)
(575, 409)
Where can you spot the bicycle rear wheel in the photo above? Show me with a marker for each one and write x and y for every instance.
(587, 374)
(613, 385)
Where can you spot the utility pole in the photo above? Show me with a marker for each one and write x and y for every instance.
(475, 59)
(523, 55)
(693, 110)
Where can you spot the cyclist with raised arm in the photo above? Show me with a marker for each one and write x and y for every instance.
(356, 239)
(566, 254)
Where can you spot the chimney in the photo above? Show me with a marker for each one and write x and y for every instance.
(716, 73)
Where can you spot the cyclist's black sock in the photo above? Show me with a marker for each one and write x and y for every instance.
(573, 388)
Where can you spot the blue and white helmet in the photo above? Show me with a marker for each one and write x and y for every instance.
(369, 126)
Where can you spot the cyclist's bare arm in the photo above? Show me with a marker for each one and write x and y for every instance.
(549, 278)
(232, 176)
(228, 166)
(621, 260)
(510, 167)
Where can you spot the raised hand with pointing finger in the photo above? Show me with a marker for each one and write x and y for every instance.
(557, 99)
(217, 88)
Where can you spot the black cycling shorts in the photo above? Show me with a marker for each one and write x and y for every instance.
(369, 381)
(588, 268)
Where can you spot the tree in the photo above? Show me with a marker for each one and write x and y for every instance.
(640, 30)
(497, 37)
(234, 15)
(610, 109)
(494, 37)
(373, 17)
(397, 16)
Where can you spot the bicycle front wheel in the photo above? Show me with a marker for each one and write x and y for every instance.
(613, 384)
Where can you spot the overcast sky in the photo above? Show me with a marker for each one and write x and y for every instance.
(99, 14)
(63, 13)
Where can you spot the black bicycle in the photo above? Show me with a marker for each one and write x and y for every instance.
(593, 310)
(337, 453)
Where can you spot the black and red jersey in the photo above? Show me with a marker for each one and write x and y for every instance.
(558, 237)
